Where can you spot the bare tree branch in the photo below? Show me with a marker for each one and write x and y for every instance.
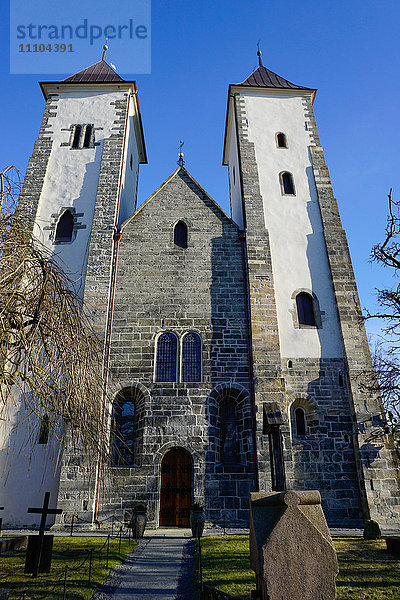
(50, 359)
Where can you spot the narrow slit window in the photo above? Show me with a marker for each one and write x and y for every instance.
(300, 419)
(123, 430)
(166, 358)
(88, 136)
(44, 430)
(305, 309)
(287, 183)
(191, 357)
(281, 141)
(77, 136)
(181, 235)
(65, 227)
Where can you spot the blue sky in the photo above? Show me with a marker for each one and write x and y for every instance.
(348, 50)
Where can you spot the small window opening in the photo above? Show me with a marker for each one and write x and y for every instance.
(281, 140)
(305, 309)
(234, 174)
(65, 227)
(300, 420)
(181, 235)
(131, 162)
(290, 364)
(88, 136)
(44, 430)
(77, 136)
(287, 183)
(341, 381)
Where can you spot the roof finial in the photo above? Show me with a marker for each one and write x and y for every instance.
(105, 47)
(259, 54)
(180, 161)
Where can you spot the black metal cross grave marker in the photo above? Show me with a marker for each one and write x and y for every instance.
(44, 511)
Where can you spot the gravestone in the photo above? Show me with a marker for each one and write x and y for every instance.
(291, 549)
(40, 548)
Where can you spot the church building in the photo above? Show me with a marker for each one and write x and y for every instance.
(234, 342)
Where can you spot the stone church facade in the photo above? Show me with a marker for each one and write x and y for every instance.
(235, 343)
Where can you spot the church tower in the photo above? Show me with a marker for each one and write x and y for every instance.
(316, 426)
(81, 183)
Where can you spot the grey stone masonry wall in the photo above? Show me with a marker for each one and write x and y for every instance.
(78, 473)
(269, 384)
(324, 458)
(37, 166)
(162, 287)
(378, 468)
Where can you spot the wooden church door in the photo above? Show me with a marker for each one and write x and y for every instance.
(176, 488)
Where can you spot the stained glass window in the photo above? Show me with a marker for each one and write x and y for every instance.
(167, 347)
(191, 357)
(123, 432)
(229, 438)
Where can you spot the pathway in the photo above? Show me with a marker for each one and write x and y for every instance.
(162, 571)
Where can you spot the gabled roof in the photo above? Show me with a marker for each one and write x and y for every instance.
(176, 172)
(263, 77)
(100, 72)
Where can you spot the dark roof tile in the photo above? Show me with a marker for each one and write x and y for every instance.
(100, 72)
(263, 77)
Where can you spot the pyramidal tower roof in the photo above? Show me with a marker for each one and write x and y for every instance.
(264, 78)
(100, 72)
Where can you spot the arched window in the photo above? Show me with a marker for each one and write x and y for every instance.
(181, 235)
(229, 450)
(305, 309)
(77, 136)
(287, 183)
(65, 227)
(88, 136)
(166, 357)
(191, 357)
(123, 432)
(281, 140)
(300, 421)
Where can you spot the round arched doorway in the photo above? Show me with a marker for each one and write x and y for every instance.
(176, 488)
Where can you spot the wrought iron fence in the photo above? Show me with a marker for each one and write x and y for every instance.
(62, 578)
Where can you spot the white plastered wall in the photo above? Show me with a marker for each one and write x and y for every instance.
(27, 469)
(298, 251)
(234, 179)
(72, 174)
(129, 173)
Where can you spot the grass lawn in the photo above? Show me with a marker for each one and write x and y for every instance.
(367, 571)
(12, 569)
